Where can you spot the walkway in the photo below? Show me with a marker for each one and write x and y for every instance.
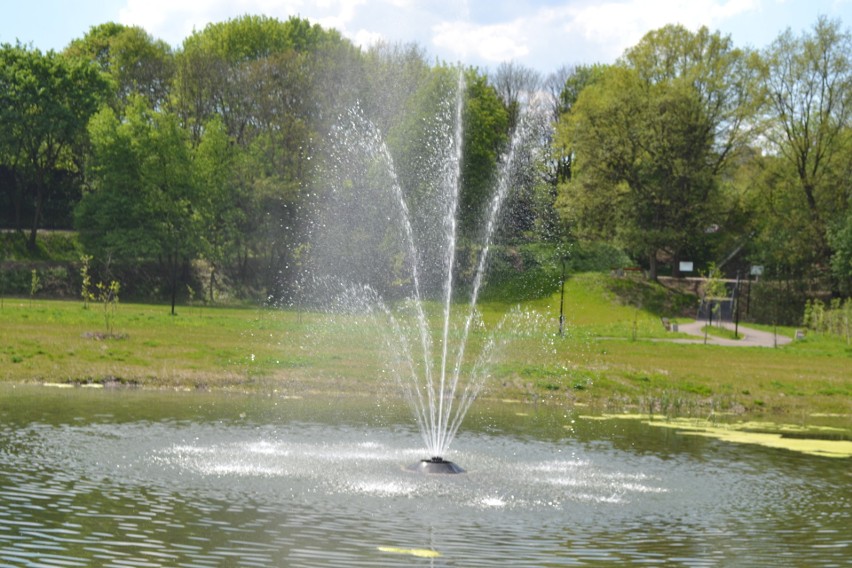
(751, 337)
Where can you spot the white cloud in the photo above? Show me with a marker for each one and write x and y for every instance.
(366, 39)
(338, 13)
(540, 33)
(617, 25)
(493, 43)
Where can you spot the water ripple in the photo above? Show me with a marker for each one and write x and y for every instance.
(199, 494)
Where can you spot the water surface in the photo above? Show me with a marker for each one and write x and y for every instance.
(124, 478)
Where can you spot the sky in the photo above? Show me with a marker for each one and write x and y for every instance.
(540, 34)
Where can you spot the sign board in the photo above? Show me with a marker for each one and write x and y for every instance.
(685, 266)
(756, 270)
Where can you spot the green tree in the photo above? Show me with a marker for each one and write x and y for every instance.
(219, 67)
(723, 77)
(556, 163)
(406, 68)
(840, 239)
(265, 80)
(486, 128)
(142, 201)
(641, 165)
(429, 115)
(219, 195)
(45, 103)
(650, 138)
(808, 95)
(135, 62)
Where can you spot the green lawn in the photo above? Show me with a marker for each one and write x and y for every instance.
(598, 362)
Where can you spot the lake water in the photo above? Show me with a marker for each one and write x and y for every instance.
(127, 478)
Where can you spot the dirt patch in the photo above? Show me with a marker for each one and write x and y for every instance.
(101, 336)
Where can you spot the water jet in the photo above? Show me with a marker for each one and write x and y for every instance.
(404, 220)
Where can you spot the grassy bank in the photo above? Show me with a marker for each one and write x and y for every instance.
(610, 357)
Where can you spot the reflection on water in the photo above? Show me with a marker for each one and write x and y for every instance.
(150, 479)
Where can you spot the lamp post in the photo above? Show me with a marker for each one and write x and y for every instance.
(562, 303)
(737, 307)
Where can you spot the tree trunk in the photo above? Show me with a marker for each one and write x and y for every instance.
(39, 203)
(174, 263)
(19, 199)
(652, 266)
(212, 281)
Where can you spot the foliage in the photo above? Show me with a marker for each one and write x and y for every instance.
(808, 113)
(650, 137)
(141, 174)
(486, 125)
(134, 62)
(840, 240)
(213, 153)
(108, 296)
(45, 103)
(642, 172)
(836, 318)
(54, 246)
(35, 284)
(86, 282)
(714, 285)
(532, 271)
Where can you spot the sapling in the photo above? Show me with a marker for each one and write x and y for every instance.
(35, 285)
(86, 287)
(108, 296)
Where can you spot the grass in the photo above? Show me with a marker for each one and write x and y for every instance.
(610, 356)
(57, 246)
(722, 332)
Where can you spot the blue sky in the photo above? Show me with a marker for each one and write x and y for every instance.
(543, 34)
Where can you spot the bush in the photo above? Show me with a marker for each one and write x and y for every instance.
(54, 279)
(596, 257)
(527, 272)
(54, 246)
(836, 319)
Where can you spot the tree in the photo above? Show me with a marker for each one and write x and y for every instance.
(840, 238)
(217, 67)
(652, 136)
(515, 85)
(808, 81)
(142, 202)
(45, 102)
(642, 171)
(404, 66)
(265, 80)
(218, 203)
(723, 77)
(564, 88)
(134, 61)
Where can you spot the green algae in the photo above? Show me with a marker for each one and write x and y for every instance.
(824, 441)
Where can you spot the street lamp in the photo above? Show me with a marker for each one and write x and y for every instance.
(562, 302)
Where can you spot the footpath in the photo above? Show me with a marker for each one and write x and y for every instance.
(750, 337)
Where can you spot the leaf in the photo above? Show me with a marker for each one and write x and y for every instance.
(418, 552)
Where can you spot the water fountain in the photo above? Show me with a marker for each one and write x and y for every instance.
(429, 365)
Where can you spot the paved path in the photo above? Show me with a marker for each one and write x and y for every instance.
(751, 337)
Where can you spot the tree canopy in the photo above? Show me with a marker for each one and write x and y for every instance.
(210, 160)
(651, 135)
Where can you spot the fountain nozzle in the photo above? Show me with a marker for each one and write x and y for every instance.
(436, 464)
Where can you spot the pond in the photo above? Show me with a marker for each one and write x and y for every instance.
(138, 478)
